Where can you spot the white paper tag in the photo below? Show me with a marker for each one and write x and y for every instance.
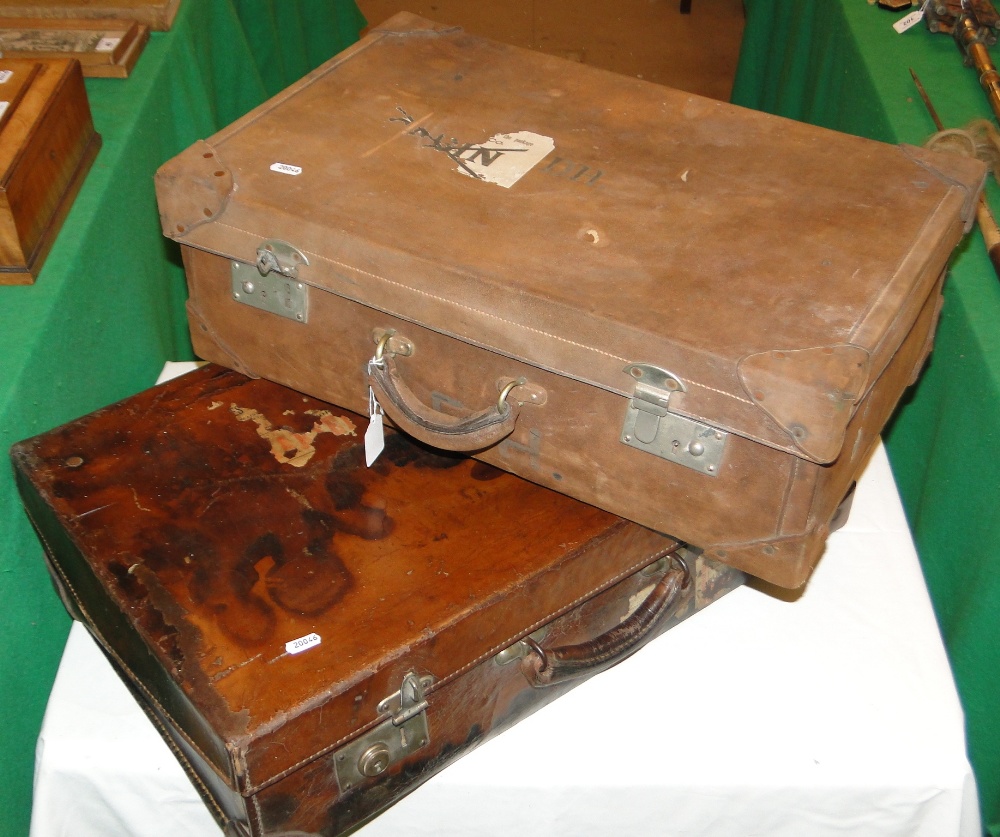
(505, 158)
(375, 434)
(285, 168)
(303, 643)
(909, 21)
(3, 108)
(107, 44)
(5, 76)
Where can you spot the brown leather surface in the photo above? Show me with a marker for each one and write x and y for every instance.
(711, 234)
(775, 268)
(462, 713)
(766, 512)
(203, 524)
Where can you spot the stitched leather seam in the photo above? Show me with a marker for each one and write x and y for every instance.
(252, 789)
(863, 319)
(492, 652)
(93, 631)
(482, 313)
(554, 615)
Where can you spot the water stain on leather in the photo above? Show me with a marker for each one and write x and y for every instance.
(288, 446)
(306, 584)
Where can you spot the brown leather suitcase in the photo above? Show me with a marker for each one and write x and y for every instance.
(315, 638)
(695, 316)
(47, 145)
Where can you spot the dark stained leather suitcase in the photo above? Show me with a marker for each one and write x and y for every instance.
(315, 638)
(695, 316)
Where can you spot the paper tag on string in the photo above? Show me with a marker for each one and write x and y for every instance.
(909, 21)
(375, 434)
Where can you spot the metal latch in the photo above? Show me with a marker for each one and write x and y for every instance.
(651, 427)
(272, 282)
(403, 733)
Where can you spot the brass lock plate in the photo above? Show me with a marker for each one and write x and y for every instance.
(677, 438)
(403, 733)
(372, 753)
(272, 292)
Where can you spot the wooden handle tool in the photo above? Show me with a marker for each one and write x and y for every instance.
(984, 216)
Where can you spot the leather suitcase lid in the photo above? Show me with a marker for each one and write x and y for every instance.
(206, 525)
(582, 221)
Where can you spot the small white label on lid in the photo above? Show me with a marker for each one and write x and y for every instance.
(107, 44)
(303, 643)
(285, 168)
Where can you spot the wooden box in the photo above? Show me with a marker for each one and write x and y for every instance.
(105, 48)
(156, 14)
(47, 145)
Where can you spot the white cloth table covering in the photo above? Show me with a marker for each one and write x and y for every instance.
(832, 714)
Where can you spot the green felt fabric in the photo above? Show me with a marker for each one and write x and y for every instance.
(107, 309)
(839, 63)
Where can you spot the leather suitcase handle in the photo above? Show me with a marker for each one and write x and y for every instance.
(548, 666)
(471, 433)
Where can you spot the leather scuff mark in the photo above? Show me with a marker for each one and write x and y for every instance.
(287, 446)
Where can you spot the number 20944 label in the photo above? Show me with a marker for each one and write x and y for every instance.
(303, 643)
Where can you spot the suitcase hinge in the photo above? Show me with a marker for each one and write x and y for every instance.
(403, 733)
(272, 282)
(651, 427)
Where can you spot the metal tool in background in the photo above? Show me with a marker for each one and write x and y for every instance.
(984, 216)
(974, 25)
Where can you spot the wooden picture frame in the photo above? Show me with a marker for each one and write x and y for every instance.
(105, 48)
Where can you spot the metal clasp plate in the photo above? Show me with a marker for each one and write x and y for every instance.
(520, 648)
(272, 282)
(651, 427)
(403, 733)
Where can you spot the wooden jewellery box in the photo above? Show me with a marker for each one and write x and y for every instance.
(47, 145)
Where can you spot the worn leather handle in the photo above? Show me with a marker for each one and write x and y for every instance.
(470, 433)
(548, 666)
